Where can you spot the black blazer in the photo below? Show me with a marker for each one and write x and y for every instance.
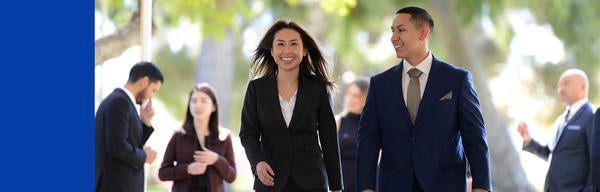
(570, 168)
(295, 151)
(120, 137)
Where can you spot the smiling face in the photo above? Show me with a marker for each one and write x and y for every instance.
(288, 50)
(408, 40)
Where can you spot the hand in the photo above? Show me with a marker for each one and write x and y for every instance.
(368, 190)
(196, 168)
(207, 156)
(337, 191)
(265, 173)
(480, 190)
(150, 154)
(147, 113)
(524, 131)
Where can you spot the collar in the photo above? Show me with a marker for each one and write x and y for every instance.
(424, 66)
(576, 106)
(129, 94)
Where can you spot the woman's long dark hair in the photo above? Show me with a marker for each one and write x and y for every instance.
(313, 65)
(213, 123)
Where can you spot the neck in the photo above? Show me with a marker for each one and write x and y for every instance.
(417, 59)
(201, 127)
(287, 77)
(131, 88)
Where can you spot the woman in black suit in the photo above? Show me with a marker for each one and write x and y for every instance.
(354, 101)
(288, 128)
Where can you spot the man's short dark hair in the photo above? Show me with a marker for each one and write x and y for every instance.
(143, 69)
(418, 16)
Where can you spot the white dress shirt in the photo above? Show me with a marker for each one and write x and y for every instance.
(287, 108)
(424, 66)
(131, 97)
(560, 122)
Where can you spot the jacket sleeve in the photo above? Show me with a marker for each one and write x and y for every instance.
(250, 133)
(117, 130)
(147, 132)
(539, 150)
(329, 142)
(169, 170)
(368, 143)
(474, 136)
(225, 165)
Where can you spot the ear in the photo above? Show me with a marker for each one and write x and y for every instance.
(144, 81)
(425, 30)
(305, 52)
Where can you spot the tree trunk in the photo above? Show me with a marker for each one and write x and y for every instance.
(215, 66)
(507, 172)
(113, 45)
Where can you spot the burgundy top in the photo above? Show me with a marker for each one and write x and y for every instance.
(179, 155)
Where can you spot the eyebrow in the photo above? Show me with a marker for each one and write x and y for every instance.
(281, 40)
(397, 26)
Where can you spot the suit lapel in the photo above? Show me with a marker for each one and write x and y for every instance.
(572, 120)
(300, 97)
(273, 93)
(428, 99)
(135, 122)
(399, 93)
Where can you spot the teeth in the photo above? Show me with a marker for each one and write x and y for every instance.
(397, 46)
(286, 58)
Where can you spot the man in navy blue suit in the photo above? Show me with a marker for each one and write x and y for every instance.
(120, 133)
(569, 147)
(423, 115)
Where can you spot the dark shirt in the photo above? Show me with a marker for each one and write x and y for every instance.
(199, 182)
(347, 141)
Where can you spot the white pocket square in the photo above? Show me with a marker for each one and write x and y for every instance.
(447, 96)
(573, 127)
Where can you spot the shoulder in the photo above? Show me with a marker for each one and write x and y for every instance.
(312, 83)
(588, 110)
(261, 80)
(224, 134)
(388, 72)
(117, 100)
(179, 133)
(448, 68)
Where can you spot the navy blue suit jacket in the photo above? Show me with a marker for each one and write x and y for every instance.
(570, 166)
(120, 138)
(447, 132)
(595, 152)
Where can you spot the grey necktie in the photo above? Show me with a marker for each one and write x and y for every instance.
(561, 127)
(413, 94)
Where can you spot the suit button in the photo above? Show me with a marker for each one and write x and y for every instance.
(413, 139)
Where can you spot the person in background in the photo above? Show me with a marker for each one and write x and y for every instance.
(200, 155)
(121, 133)
(423, 118)
(288, 128)
(347, 123)
(569, 147)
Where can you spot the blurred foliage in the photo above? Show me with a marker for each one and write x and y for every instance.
(179, 70)
(337, 24)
